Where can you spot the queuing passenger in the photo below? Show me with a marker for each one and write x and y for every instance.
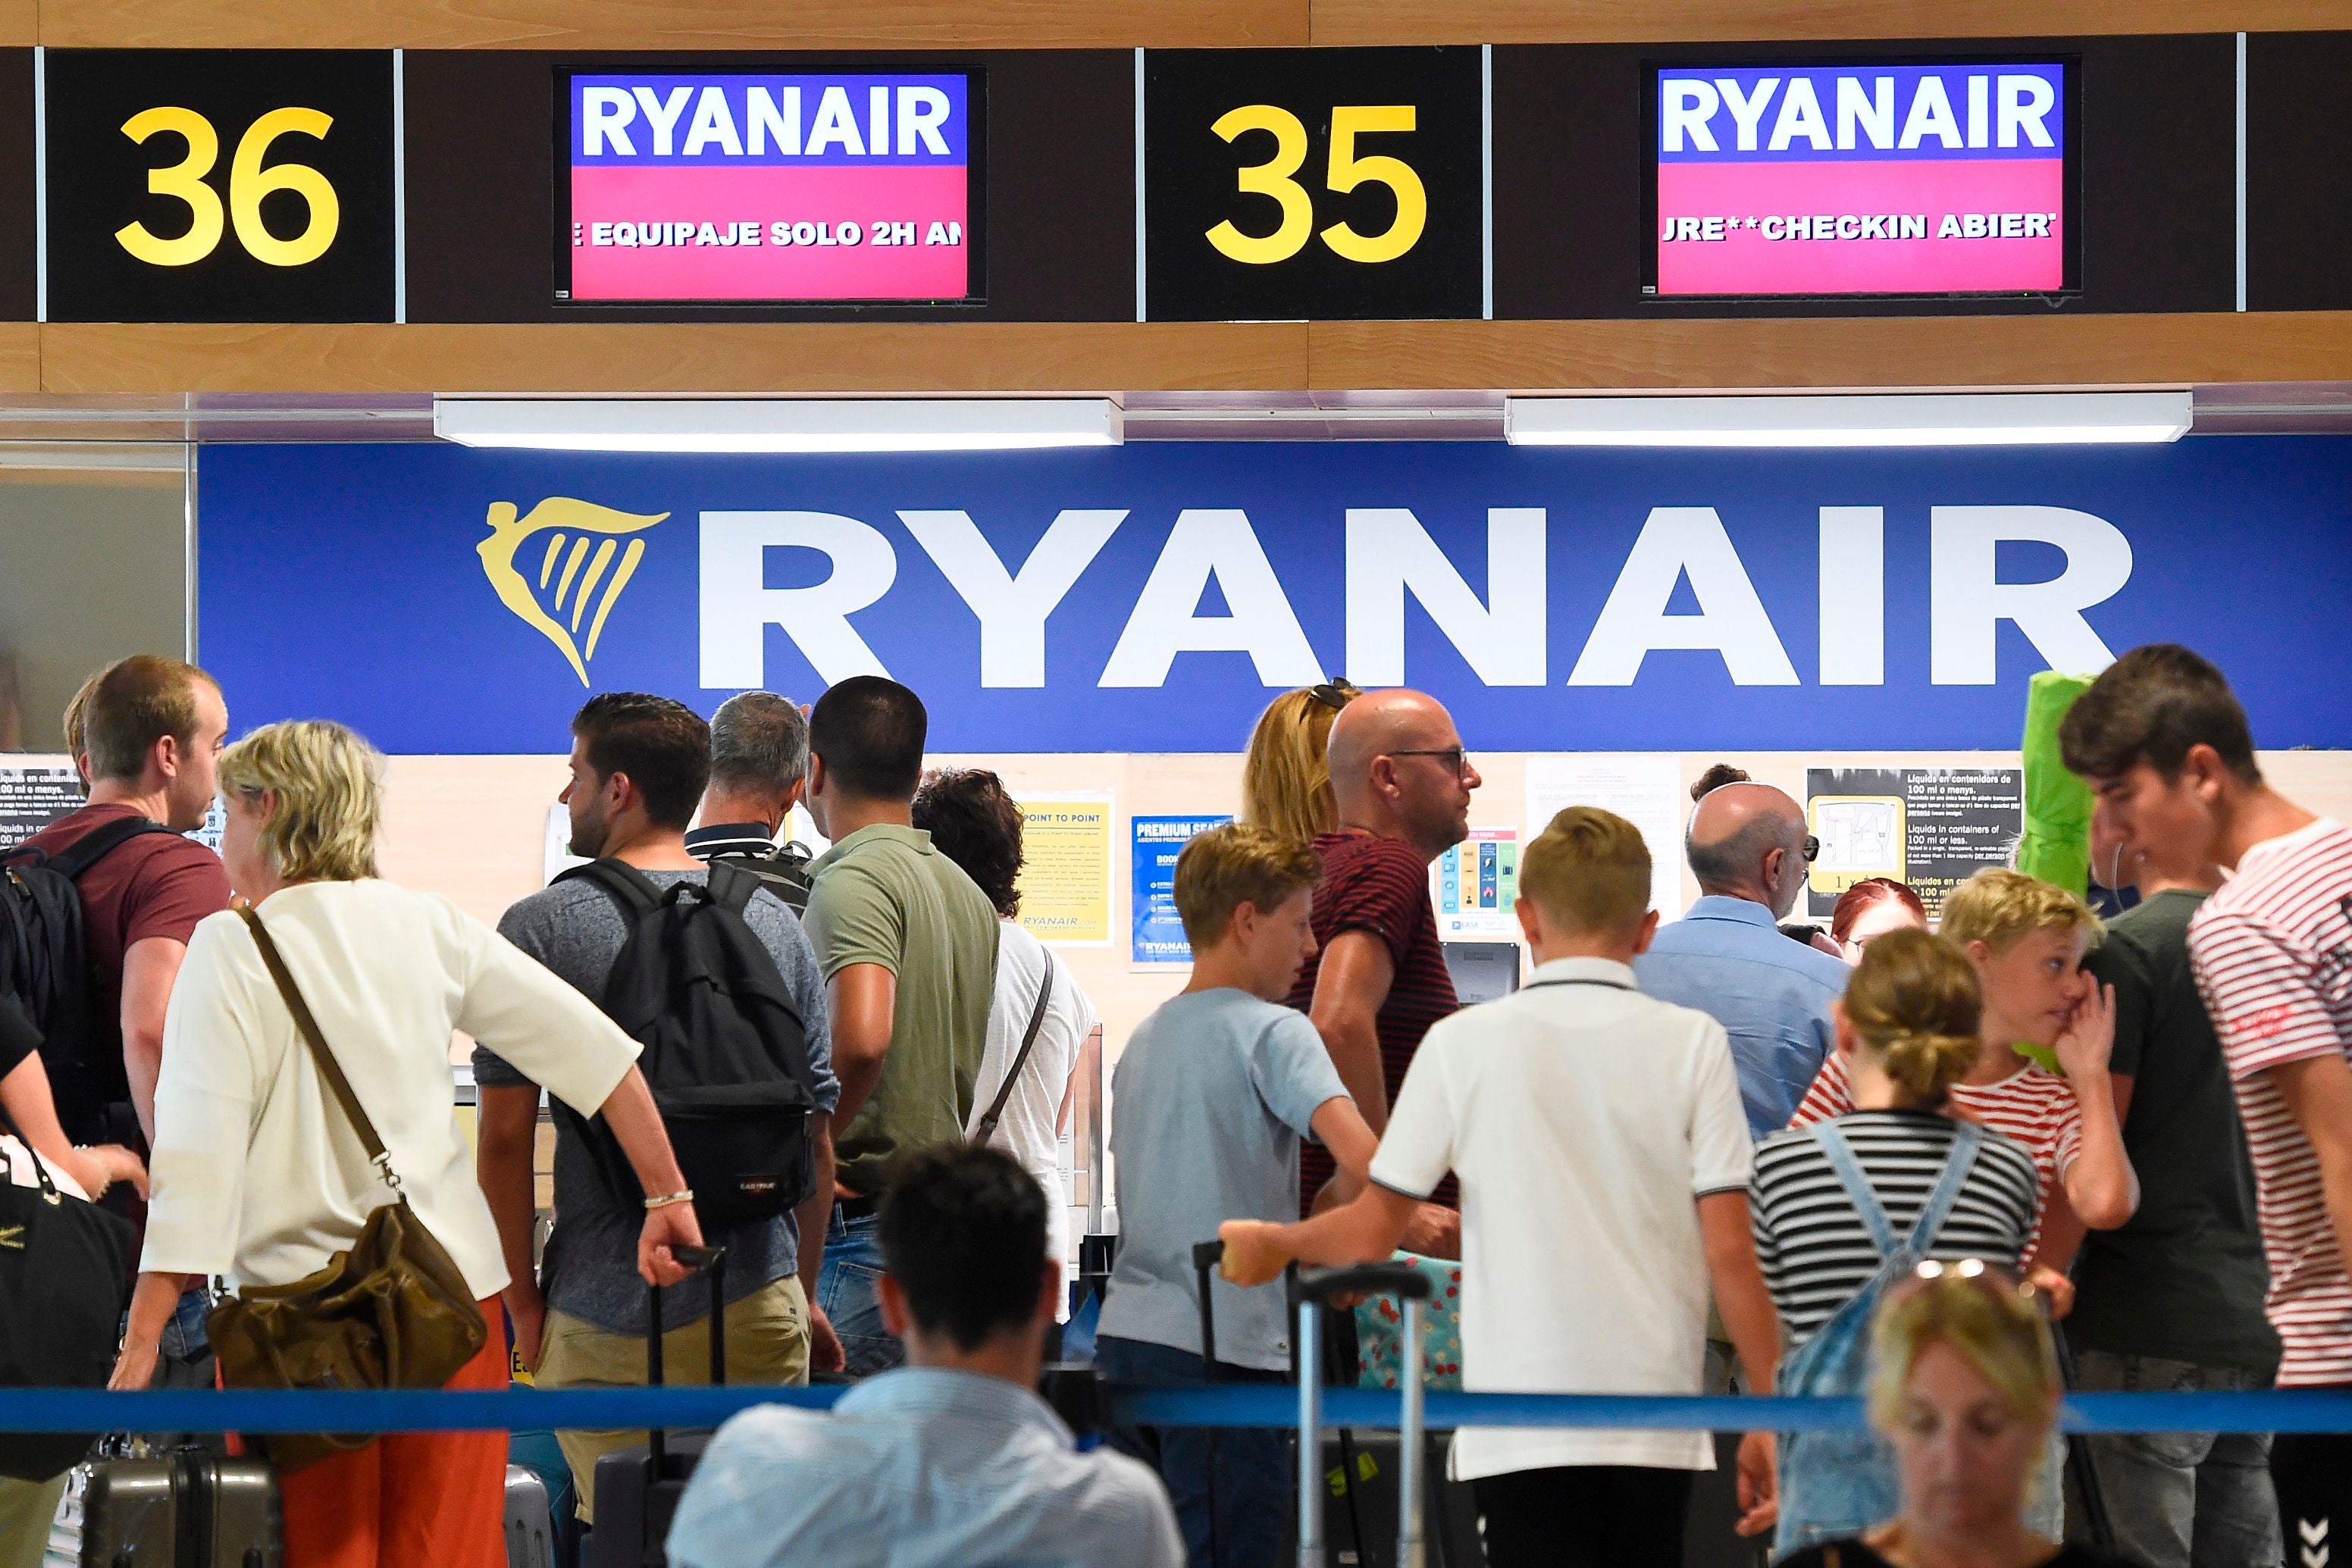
(759, 769)
(260, 1176)
(1906, 1033)
(152, 730)
(907, 943)
(1378, 978)
(638, 764)
(1871, 908)
(2169, 751)
(1747, 847)
(2173, 1297)
(975, 823)
(1286, 772)
(1213, 1092)
(2026, 939)
(1605, 1166)
(952, 1459)
(1964, 1388)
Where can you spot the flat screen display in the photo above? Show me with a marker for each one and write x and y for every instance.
(787, 187)
(1861, 180)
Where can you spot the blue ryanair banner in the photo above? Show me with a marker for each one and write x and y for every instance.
(1151, 598)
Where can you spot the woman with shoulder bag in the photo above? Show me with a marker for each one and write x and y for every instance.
(307, 1140)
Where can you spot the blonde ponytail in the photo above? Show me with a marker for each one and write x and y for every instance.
(1913, 1003)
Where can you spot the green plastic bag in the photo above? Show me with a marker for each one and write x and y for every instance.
(2056, 846)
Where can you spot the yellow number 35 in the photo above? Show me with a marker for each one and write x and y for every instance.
(248, 182)
(1347, 171)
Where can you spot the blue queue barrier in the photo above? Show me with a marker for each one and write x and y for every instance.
(1264, 1405)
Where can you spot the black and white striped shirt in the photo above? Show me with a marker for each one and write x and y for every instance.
(1811, 1242)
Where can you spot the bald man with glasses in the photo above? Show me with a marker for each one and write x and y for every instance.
(1747, 845)
(1402, 783)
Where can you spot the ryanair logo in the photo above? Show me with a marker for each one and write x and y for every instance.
(11, 1237)
(578, 524)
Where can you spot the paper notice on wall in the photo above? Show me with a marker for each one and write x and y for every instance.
(1931, 827)
(1473, 885)
(1645, 787)
(1065, 868)
(1156, 930)
(35, 789)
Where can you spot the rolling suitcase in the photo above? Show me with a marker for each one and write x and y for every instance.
(530, 1522)
(638, 1488)
(188, 1509)
(1353, 1485)
(1313, 1292)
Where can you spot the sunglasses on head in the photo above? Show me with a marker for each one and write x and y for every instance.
(1334, 695)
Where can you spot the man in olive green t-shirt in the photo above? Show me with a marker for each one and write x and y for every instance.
(907, 943)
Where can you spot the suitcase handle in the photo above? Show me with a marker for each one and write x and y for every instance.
(1398, 1279)
(715, 1259)
(1206, 1256)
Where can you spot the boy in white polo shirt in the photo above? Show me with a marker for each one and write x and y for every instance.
(1603, 1160)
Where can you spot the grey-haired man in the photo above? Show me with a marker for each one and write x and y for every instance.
(759, 766)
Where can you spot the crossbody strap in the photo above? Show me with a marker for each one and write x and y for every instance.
(307, 1027)
(1020, 1059)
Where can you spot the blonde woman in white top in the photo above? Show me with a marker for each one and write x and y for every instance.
(259, 1176)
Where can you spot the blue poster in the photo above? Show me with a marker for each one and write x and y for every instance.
(1154, 597)
(1158, 841)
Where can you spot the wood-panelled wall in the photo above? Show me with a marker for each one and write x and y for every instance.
(1114, 357)
(1088, 23)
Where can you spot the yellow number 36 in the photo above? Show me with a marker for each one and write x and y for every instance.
(1347, 171)
(248, 182)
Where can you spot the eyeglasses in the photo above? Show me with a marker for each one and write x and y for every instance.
(1812, 848)
(1333, 694)
(1460, 759)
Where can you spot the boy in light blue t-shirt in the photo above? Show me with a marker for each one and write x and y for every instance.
(1213, 1092)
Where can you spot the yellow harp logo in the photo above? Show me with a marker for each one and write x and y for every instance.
(563, 520)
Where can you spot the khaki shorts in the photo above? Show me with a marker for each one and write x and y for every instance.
(767, 1343)
(26, 1509)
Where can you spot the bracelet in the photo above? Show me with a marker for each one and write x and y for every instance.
(683, 1196)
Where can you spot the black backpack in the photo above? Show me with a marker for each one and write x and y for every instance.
(45, 963)
(782, 870)
(726, 1050)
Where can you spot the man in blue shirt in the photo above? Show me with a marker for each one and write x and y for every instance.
(951, 1461)
(1726, 956)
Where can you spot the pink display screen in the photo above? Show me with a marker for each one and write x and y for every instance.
(1861, 180)
(789, 187)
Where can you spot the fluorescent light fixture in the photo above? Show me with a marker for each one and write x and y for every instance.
(1920, 419)
(811, 424)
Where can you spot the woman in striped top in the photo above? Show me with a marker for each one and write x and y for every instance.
(2026, 938)
(1907, 1032)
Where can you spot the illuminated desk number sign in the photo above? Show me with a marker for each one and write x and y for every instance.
(218, 185)
(1327, 183)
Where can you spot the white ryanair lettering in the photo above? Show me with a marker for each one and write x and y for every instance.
(1390, 557)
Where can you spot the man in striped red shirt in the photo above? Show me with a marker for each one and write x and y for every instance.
(1401, 783)
(2165, 744)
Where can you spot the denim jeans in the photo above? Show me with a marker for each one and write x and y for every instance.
(849, 1290)
(2180, 1497)
(1232, 1486)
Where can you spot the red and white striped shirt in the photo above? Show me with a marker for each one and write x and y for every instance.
(2033, 1107)
(2272, 953)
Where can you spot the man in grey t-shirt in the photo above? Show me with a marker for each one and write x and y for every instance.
(638, 766)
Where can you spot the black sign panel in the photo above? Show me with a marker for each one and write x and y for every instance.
(219, 185)
(1284, 185)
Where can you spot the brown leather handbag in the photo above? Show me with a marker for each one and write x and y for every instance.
(392, 1312)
